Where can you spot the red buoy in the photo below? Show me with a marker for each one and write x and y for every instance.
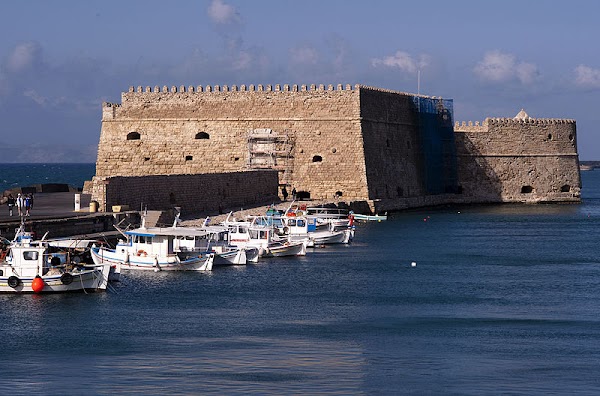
(38, 284)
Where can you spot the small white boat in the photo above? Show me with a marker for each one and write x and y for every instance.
(286, 249)
(27, 266)
(153, 249)
(363, 217)
(79, 251)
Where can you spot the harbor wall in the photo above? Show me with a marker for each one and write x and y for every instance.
(192, 193)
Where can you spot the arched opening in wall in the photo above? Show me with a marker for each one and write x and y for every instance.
(317, 158)
(571, 137)
(146, 158)
(565, 188)
(189, 157)
(399, 191)
(172, 198)
(133, 136)
(303, 195)
(202, 135)
(549, 136)
(526, 190)
(338, 194)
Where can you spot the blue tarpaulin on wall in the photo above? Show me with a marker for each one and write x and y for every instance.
(438, 151)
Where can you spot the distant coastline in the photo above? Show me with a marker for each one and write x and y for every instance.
(589, 165)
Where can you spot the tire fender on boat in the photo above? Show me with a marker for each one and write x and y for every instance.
(13, 281)
(66, 278)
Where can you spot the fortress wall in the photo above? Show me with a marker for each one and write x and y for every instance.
(322, 121)
(508, 160)
(193, 193)
(390, 136)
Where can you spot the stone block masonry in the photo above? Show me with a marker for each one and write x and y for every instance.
(193, 193)
(356, 144)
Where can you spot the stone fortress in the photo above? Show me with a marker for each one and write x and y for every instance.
(203, 148)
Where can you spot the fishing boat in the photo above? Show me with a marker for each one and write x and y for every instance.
(259, 234)
(364, 217)
(298, 228)
(286, 249)
(154, 249)
(78, 250)
(27, 266)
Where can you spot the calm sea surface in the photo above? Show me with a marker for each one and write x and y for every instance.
(23, 175)
(503, 300)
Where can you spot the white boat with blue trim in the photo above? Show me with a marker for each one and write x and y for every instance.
(27, 266)
(155, 249)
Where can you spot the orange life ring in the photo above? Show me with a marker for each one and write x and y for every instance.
(142, 253)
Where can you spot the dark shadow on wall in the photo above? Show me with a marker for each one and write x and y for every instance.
(477, 179)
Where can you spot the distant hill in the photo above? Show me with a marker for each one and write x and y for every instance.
(589, 165)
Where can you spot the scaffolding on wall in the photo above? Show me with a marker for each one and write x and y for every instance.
(268, 149)
(438, 150)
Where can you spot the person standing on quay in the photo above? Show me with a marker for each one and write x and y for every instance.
(284, 193)
(294, 194)
(11, 203)
(27, 204)
(20, 204)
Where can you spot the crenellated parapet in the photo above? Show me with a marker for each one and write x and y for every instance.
(245, 88)
(263, 88)
(470, 126)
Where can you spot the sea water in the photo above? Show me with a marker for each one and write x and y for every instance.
(502, 299)
(24, 175)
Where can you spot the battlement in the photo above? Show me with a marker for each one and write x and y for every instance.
(262, 88)
(243, 88)
(485, 125)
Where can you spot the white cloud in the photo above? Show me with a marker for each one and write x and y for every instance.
(403, 61)
(36, 97)
(222, 13)
(498, 66)
(586, 76)
(23, 57)
(304, 55)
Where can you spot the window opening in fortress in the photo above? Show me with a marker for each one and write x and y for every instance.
(189, 158)
(565, 188)
(202, 135)
(338, 194)
(133, 136)
(317, 158)
(571, 137)
(146, 158)
(526, 190)
(549, 136)
(303, 195)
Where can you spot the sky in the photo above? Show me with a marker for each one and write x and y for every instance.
(61, 59)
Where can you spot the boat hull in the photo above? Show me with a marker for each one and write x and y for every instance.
(203, 262)
(88, 280)
(286, 249)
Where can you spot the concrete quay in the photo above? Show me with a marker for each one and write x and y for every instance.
(55, 213)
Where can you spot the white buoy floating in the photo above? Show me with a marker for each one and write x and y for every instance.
(413, 264)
